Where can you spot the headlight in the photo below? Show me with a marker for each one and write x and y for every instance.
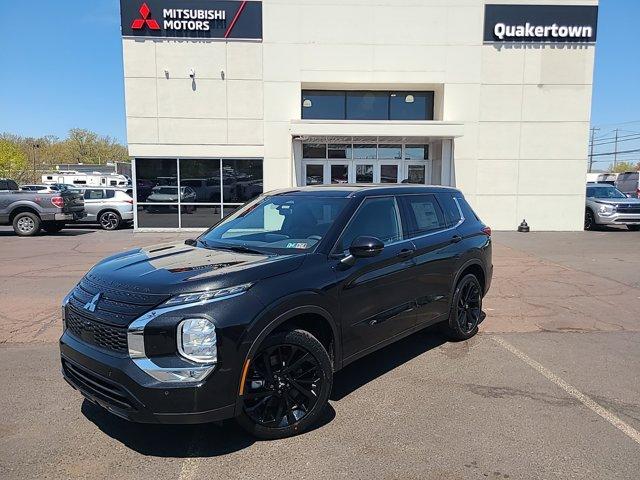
(197, 340)
(607, 209)
(207, 295)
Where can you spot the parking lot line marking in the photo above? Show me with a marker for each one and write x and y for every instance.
(588, 402)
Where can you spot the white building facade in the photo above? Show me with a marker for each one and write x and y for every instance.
(229, 99)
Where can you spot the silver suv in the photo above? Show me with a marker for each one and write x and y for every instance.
(110, 207)
(606, 205)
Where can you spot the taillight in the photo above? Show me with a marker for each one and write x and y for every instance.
(128, 201)
(57, 201)
(486, 231)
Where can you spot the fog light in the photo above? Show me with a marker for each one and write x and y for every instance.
(197, 340)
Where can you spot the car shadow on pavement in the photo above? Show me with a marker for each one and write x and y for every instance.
(214, 439)
(374, 365)
(181, 441)
(63, 233)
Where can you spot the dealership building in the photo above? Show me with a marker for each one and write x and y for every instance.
(229, 99)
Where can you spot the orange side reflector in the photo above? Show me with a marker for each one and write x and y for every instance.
(245, 370)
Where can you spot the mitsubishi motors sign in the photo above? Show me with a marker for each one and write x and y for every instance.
(225, 19)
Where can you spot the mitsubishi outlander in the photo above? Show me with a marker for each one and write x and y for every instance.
(252, 319)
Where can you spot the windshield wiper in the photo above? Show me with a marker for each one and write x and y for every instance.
(234, 248)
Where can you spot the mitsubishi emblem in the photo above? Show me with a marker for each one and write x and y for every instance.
(91, 306)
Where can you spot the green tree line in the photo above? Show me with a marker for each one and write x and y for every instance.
(25, 158)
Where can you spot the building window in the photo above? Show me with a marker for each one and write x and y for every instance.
(192, 192)
(411, 106)
(366, 105)
(334, 163)
(323, 105)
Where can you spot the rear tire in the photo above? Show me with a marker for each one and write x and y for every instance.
(52, 227)
(466, 309)
(110, 220)
(287, 386)
(26, 224)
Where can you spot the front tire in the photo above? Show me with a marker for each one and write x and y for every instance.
(287, 386)
(110, 220)
(466, 309)
(26, 224)
(589, 220)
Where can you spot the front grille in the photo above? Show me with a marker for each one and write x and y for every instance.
(96, 386)
(96, 333)
(628, 209)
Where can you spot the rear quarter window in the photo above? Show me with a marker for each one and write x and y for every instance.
(450, 208)
(467, 211)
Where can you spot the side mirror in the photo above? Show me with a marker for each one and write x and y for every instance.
(191, 242)
(366, 247)
(363, 247)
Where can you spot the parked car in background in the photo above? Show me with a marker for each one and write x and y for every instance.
(30, 211)
(169, 196)
(109, 207)
(629, 183)
(34, 188)
(608, 178)
(606, 205)
(8, 185)
(252, 319)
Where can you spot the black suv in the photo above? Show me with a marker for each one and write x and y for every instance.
(252, 319)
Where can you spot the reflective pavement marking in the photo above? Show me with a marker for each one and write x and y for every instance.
(629, 431)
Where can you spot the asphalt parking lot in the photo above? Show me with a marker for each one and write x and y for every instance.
(548, 389)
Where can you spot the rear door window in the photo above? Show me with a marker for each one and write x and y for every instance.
(93, 194)
(110, 193)
(4, 185)
(422, 214)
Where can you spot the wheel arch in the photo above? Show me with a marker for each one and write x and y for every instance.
(22, 209)
(108, 209)
(471, 266)
(312, 318)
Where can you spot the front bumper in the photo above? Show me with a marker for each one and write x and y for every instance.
(618, 219)
(118, 385)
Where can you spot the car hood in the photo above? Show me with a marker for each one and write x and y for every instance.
(618, 201)
(171, 269)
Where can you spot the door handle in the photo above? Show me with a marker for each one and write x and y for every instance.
(456, 239)
(405, 253)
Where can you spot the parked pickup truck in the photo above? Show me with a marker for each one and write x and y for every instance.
(28, 212)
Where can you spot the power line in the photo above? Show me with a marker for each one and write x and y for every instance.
(616, 153)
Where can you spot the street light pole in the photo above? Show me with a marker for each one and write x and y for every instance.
(593, 134)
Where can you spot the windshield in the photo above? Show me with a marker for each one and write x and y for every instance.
(278, 224)
(604, 192)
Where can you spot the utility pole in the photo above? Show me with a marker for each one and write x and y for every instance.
(593, 134)
(615, 152)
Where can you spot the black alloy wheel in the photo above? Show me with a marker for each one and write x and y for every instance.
(287, 385)
(589, 220)
(466, 309)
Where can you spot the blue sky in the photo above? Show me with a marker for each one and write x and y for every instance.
(61, 67)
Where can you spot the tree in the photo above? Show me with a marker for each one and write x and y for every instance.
(625, 167)
(13, 160)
